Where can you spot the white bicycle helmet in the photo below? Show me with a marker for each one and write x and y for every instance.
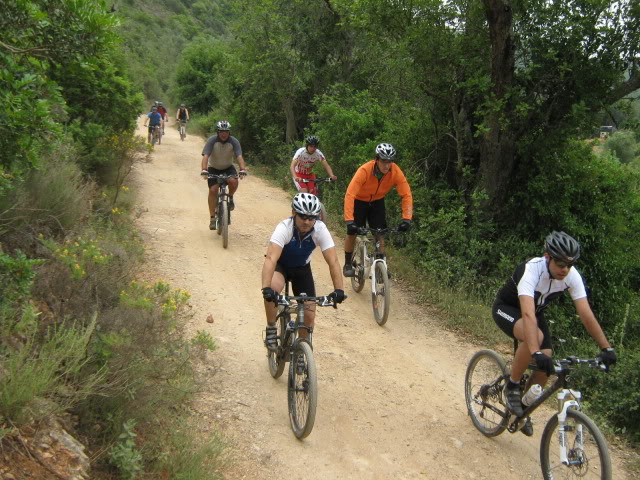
(223, 126)
(385, 151)
(306, 204)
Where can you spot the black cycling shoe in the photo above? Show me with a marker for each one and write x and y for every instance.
(527, 428)
(231, 204)
(348, 271)
(271, 339)
(513, 400)
(213, 223)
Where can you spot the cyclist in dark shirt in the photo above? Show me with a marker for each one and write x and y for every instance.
(519, 311)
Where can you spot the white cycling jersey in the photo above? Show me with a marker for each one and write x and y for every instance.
(306, 160)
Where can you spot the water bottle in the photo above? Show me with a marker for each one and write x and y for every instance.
(532, 395)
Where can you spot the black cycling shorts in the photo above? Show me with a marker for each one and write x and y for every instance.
(371, 213)
(506, 316)
(301, 278)
(226, 171)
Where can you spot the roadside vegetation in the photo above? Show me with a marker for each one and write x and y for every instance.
(81, 336)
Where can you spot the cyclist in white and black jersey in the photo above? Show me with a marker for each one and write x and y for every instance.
(519, 311)
(288, 258)
(302, 165)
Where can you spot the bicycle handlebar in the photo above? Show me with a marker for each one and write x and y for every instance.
(317, 180)
(221, 177)
(377, 231)
(323, 301)
(565, 364)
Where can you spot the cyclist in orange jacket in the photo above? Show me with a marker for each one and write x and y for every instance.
(364, 200)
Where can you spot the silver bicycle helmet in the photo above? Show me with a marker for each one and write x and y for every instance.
(223, 126)
(562, 247)
(385, 151)
(306, 204)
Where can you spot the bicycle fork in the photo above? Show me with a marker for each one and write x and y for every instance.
(563, 427)
(373, 273)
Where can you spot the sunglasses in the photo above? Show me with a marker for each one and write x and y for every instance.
(307, 217)
(385, 161)
(563, 264)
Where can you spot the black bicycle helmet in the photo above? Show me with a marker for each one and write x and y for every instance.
(562, 247)
(313, 140)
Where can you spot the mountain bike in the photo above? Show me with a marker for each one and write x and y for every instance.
(223, 214)
(183, 129)
(314, 186)
(302, 383)
(156, 136)
(374, 266)
(572, 445)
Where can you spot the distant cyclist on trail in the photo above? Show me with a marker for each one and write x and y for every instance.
(288, 258)
(154, 119)
(302, 165)
(163, 111)
(364, 200)
(519, 312)
(217, 158)
(182, 115)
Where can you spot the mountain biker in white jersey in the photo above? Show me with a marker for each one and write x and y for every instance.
(519, 312)
(217, 158)
(288, 258)
(302, 165)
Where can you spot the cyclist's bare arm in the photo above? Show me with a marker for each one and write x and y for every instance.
(331, 257)
(240, 159)
(269, 266)
(205, 162)
(590, 322)
(292, 168)
(529, 323)
(327, 167)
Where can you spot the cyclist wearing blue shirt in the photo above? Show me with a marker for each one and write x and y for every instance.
(288, 258)
(154, 120)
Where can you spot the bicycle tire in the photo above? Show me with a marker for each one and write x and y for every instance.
(483, 383)
(154, 139)
(381, 292)
(277, 359)
(303, 391)
(584, 465)
(218, 210)
(224, 221)
(357, 281)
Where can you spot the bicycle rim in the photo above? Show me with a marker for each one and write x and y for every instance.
(276, 359)
(483, 384)
(303, 391)
(587, 450)
(381, 294)
(224, 220)
(357, 281)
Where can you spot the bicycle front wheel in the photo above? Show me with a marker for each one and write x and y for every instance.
(303, 390)
(277, 359)
(224, 221)
(381, 293)
(357, 281)
(587, 450)
(483, 383)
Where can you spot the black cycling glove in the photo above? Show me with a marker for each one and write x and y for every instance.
(544, 362)
(404, 226)
(269, 294)
(352, 228)
(337, 295)
(608, 357)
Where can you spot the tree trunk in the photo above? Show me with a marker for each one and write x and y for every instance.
(290, 136)
(497, 145)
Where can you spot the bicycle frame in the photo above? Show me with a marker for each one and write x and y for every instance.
(314, 184)
(371, 260)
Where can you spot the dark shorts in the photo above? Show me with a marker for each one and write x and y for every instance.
(227, 171)
(371, 213)
(151, 127)
(301, 279)
(506, 316)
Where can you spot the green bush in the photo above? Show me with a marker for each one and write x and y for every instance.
(623, 145)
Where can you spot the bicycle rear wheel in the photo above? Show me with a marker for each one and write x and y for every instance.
(303, 390)
(587, 449)
(483, 384)
(357, 281)
(381, 293)
(277, 359)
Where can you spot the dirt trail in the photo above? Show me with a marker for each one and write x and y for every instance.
(391, 399)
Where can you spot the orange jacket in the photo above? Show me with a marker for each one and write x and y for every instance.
(366, 187)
